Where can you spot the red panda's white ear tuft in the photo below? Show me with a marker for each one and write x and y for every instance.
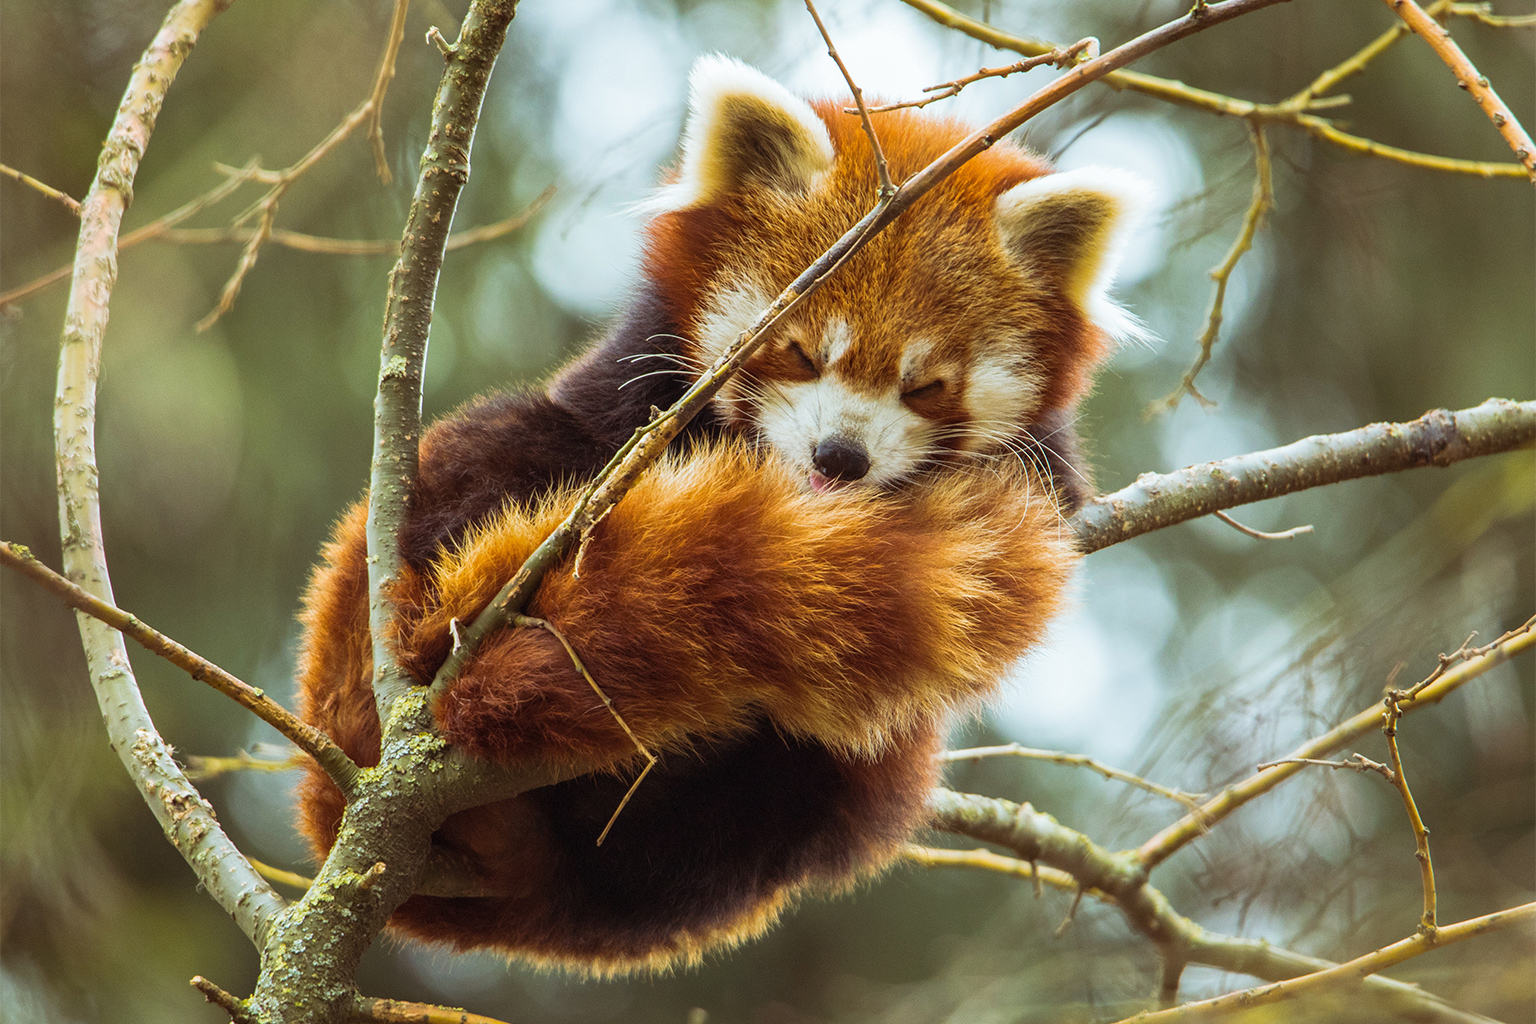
(743, 129)
(1072, 227)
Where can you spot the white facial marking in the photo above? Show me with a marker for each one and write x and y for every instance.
(1000, 391)
(802, 415)
(836, 337)
(916, 360)
(733, 311)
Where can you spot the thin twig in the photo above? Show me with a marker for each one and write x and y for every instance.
(1483, 13)
(1469, 78)
(1080, 760)
(1062, 58)
(1439, 438)
(201, 768)
(47, 190)
(153, 229)
(986, 860)
(1394, 711)
(1357, 762)
(1221, 274)
(381, 86)
(1343, 974)
(398, 1011)
(356, 246)
(1173, 838)
(650, 759)
(887, 188)
(1295, 531)
(226, 1001)
(1290, 111)
(1467, 652)
(164, 229)
(306, 737)
(272, 874)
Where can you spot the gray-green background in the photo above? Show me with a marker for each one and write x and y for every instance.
(1379, 291)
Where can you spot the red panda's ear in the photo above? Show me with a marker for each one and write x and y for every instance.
(1071, 227)
(743, 129)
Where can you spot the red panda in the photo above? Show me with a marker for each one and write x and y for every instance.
(855, 539)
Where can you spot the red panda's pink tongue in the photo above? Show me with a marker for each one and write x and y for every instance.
(822, 484)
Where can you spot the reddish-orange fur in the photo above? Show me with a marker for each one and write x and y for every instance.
(791, 656)
(716, 594)
(938, 271)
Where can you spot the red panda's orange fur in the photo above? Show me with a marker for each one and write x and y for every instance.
(791, 656)
(716, 593)
(948, 235)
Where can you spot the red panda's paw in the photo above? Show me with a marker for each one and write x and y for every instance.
(522, 700)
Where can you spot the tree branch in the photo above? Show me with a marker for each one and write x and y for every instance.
(153, 229)
(306, 737)
(1469, 78)
(1119, 879)
(1167, 842)
(1079, 760)
(1360, 969)
(1439, 438)
(1291, 111)
(185, 817)
(48, 190)
(408, 319)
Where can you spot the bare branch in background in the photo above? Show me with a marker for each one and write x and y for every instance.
(186, 818)
(1470, 79)
(1438, 438)
(1295, 110)
(164, 229)
(1360, 969)
(1173, 838)
(1191, 800)
(265, 209)
(1253, 222)
(306, 737)
(1119, 879)
(48, 190)
(381, 85)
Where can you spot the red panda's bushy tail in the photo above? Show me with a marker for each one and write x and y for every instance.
(717, 592)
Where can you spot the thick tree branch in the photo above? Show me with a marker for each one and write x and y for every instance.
(1118, 878)
(187, 819)
(408, 319)
(651, 440)
(310, 958)
(1438, 438)
(306, 737)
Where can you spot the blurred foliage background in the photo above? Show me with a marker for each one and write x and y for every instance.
(1377, 292)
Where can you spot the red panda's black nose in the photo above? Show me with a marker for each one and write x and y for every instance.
(841, 458)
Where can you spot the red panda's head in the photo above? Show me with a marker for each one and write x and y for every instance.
(979, 311)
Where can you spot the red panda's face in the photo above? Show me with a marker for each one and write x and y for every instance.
(975, 313)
